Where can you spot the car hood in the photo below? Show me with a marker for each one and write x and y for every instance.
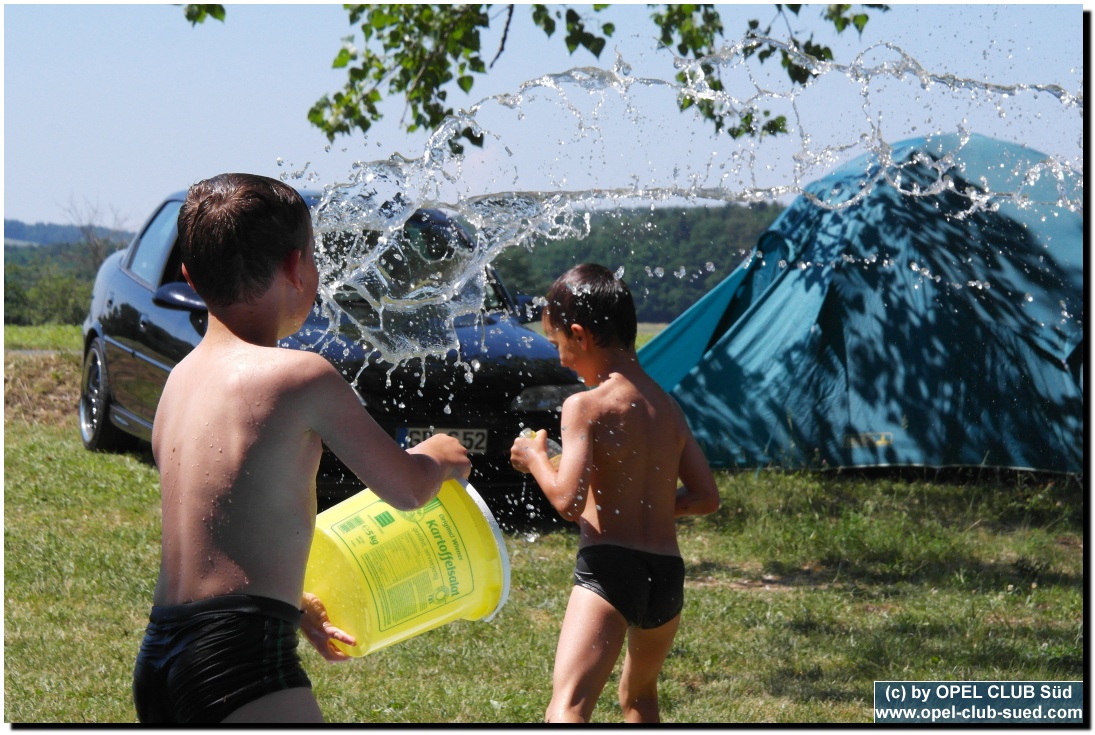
(496, 354)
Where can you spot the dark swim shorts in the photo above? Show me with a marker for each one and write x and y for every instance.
(646, 588)
(203, 660)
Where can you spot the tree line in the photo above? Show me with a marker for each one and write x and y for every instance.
(670, 256)
(43, 233)
(49, 284)
(48, 278)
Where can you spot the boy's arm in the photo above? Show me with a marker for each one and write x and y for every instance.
(699, 494)
(565, 486)
(405, 479)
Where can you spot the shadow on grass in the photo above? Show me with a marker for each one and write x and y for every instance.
(996, 498)
(958, 572)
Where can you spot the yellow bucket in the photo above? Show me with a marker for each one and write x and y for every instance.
(386, 575)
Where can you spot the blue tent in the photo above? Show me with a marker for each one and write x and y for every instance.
(910, 321)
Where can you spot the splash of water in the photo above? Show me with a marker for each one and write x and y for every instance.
(592, 138)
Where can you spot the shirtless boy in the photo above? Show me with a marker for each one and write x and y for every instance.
(625, 446)
(237, 438)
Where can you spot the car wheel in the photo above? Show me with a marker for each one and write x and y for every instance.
(96, 430)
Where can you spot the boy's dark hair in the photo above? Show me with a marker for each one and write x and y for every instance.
(234, 232)
(592, 295)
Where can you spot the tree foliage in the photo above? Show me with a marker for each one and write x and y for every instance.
(51, 284)
(417, 51)
(44, 294)
(671, 256)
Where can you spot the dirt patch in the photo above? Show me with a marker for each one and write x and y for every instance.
(754, 577)
(41, 387)
(1070, 542)
(809, 576)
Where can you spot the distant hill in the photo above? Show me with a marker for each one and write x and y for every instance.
(24, 262)
(17, 232)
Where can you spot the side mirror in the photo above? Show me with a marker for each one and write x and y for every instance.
(527, 309)
(179, 295)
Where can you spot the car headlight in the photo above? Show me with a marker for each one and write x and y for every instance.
(544, 397)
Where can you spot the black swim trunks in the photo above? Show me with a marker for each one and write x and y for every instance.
(646, 588)
(203, 660)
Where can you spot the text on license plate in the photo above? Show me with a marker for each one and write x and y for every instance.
(474, 440)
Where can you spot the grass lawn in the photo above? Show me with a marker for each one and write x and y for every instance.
(802, 590)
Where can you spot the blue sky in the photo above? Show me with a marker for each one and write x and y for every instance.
(113, 106)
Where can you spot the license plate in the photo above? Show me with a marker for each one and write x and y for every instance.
(474, 440)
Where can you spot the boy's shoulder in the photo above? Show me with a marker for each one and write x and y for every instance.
(220, 360)
(291, 363)
(605, 397)
(629, 389)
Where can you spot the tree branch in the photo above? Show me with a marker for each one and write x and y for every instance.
(505, 35)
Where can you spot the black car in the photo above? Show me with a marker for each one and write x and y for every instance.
(503, 377)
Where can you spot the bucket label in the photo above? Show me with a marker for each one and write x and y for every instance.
(417, 560)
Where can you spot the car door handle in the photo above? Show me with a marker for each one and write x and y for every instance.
(142, 324)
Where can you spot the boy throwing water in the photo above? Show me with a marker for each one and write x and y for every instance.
(237, 438)
(625, 447)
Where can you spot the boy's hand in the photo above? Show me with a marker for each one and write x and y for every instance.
(446, 450)
(524, 446)
(320, 632)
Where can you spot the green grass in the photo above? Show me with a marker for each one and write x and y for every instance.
(64, 337)
(802, 590)
(647, 332)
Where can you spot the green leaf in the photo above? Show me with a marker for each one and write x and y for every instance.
(775, 126)
(355, 11)
(198, 13)
(378, 19)
(465, 83)
(345, 56)
(542, 17)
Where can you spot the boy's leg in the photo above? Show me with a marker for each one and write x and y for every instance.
(646, 652)
(288, 705)
(592, 635)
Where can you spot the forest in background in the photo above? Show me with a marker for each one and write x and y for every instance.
(670, 257)
(49, 268)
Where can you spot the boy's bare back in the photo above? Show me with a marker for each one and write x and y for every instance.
(238, 462)
(238, 436)
(627, 433)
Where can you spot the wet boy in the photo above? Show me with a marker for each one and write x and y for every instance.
(625, 447)
(237, 438)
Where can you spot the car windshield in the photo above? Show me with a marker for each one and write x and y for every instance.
(415, 266)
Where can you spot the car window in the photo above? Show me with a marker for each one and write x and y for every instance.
(432, 241)
(422, 240)
(155, 244)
